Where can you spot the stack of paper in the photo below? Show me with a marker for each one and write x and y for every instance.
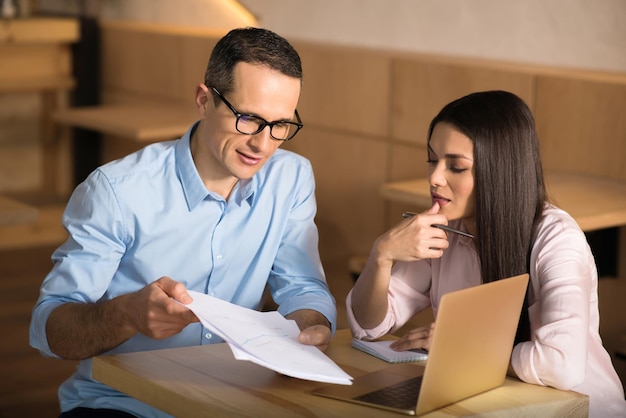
(267, 339)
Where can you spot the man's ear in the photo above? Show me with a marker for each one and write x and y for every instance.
(203, 95)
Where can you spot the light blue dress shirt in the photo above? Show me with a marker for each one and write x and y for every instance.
(149, 215)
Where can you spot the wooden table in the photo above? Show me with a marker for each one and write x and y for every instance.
(595, 202)
(206, 381)
(13, 212)
(137, 122)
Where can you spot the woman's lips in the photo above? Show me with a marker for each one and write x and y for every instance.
(439, 199)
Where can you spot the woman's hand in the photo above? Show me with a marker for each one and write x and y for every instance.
(414, 238)
(420, 337)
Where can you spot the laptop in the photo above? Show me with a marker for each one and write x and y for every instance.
(469, 354)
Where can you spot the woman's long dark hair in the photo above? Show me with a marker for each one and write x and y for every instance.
(508, 182)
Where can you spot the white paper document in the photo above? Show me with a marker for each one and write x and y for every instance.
(267, 339)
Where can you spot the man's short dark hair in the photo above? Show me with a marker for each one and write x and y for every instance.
(253, 46)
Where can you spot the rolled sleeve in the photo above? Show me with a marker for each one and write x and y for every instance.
(85, 264)
(297, 280)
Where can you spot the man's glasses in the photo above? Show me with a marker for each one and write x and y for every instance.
(281, 130)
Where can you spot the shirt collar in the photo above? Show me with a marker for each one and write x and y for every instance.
(194, 189)
(245, 190)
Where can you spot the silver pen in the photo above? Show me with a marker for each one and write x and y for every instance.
(443, 227)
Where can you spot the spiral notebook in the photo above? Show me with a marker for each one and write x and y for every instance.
(381, 350)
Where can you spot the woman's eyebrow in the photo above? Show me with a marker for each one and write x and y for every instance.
(449, 155)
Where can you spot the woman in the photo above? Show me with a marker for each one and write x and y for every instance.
(486, 179)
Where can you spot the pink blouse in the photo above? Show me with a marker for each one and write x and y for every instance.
(565, 350)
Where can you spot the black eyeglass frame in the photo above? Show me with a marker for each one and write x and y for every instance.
(298, 125)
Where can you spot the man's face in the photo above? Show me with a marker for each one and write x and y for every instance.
(221, 151)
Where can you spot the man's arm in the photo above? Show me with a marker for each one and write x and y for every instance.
(81, 330)
(315, 328)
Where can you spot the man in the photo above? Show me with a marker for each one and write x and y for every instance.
(220, 211)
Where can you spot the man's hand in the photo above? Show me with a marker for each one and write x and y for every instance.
(315, 328)
(154, 311)
(317, 335)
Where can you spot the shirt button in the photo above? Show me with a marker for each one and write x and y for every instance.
(208, 335)
(219, 257)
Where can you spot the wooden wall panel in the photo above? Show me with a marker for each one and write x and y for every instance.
(143, 63)
(195, 53)
(113, 148)
(582, 125)
(422, 88)
(348, 171)
(407, 161)
(345, 89)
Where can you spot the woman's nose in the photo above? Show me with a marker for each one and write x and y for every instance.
(436, 176)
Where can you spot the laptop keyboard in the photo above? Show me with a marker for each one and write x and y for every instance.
(402, 395)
